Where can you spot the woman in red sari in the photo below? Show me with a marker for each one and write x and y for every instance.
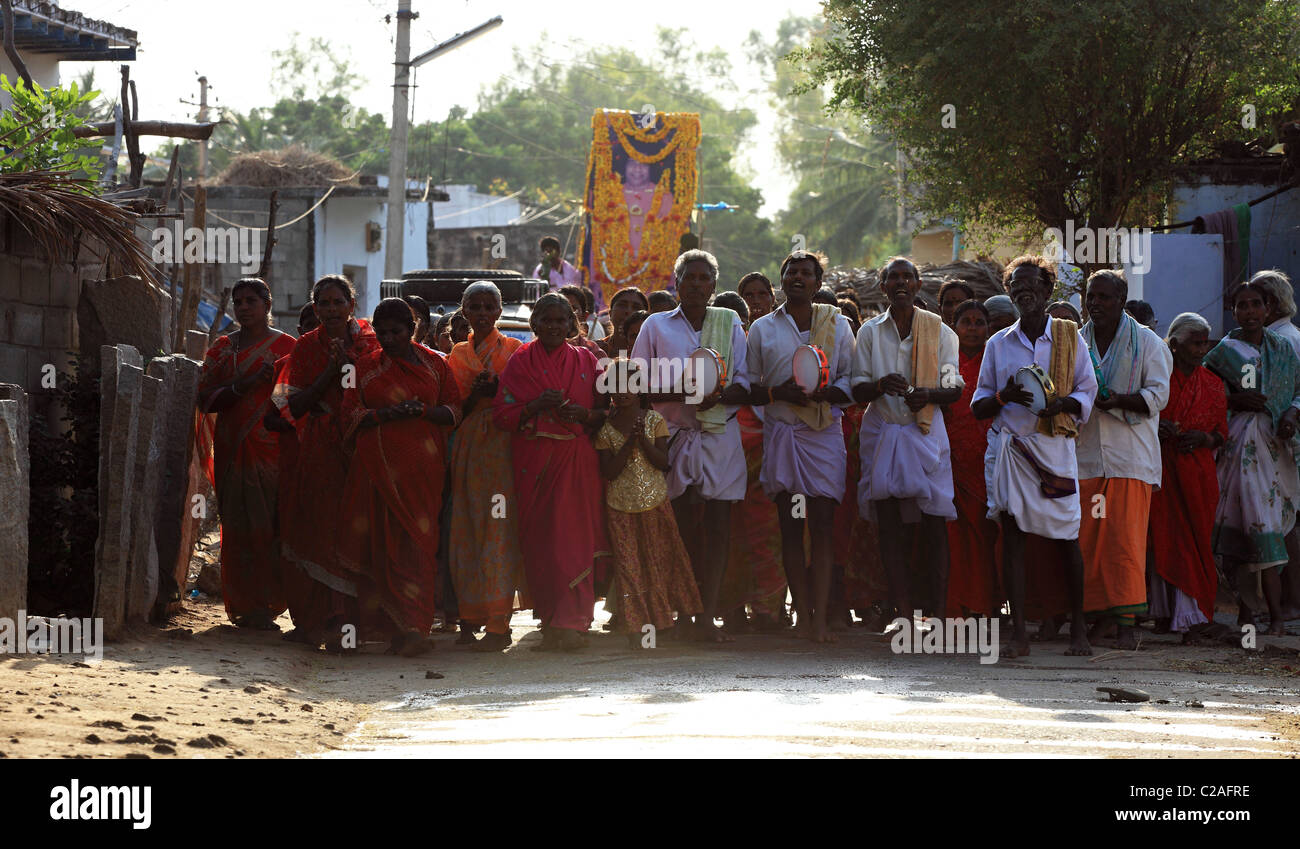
(396, 417)
(238, 376)
(322, 597)
(484, 559)
(1192, 425)
(972, 536)
(547, 396)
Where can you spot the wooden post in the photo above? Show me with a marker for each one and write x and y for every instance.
(264, 270)
(215, 330)
(193, 279)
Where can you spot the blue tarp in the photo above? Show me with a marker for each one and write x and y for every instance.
(208, 313)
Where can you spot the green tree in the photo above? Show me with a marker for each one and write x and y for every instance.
(1056, 111)
(842, 203)
(532, 132)
(36, 132)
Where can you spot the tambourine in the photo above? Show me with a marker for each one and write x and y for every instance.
(1035, 381)
(811, 368)
(706, 372)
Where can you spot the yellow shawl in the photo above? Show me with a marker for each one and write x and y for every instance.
(818, 416)
(1065, 347)
(926, 327)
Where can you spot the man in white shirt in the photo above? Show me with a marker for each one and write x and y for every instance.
(1030, 466)
(707, 460)
(804, 456)
(905, 367)
(1119, 455)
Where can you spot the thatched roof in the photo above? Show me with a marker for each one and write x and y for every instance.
(984, 277)
(291, 166)
(60, 211)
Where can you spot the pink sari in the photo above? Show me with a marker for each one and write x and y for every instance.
(557, 481)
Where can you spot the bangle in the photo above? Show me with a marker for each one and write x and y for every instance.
(771, 396)
(997, 396)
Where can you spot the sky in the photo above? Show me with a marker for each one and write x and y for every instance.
(231, 41)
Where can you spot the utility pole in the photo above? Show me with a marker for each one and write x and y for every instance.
(203, 117)
(395, 238)
(394, 241)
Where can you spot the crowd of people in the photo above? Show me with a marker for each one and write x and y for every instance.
(393, 478)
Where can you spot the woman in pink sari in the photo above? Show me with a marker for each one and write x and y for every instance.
(547, 401)
(238, 376)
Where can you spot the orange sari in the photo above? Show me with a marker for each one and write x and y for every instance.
(484, 559)
(245, 473)
(389, 538)
(320, 592)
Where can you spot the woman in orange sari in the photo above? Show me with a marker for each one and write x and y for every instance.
(547, 396)
(397, 416)
(238, 376)
(972, 536)
(322, 597)
(484, 559)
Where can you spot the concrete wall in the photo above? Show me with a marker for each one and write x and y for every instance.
(38, 301)
(1274, 224)
(44, 68)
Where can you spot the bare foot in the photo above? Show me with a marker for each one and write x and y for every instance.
(414, 644)
(1276, 629)
(707, 632)
(1079, 647)
(1015, 649)
(1126, 638)
(821, 634)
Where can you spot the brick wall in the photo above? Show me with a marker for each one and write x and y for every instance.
(38, 306)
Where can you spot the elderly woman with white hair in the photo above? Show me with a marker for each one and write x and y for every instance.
(484, 560)
(1183, 579)
(1002, 313)
(1281, 305)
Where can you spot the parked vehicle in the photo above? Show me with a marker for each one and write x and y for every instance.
(442, 288)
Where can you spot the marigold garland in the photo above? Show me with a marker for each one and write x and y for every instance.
(612, 266)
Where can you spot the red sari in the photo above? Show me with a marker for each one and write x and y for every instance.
(857, 546)
(319, 589)
(557, 481)
(754, 573)
(245, 473)
(972, 537)
(1182, 508)
(389, 538)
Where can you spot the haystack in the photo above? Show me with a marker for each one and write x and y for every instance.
(984, 277)
(291, 166)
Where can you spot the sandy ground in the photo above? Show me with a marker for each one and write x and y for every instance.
(201, 688)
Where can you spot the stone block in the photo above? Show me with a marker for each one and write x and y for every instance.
(123, 310)
(36, 282)
(58, 329)
(142, 574)
(11, 279)
(15, 500)
(65, 286)
(196, 344)
(174, 527)
(117, 447)
(13, 364)
(28, 325)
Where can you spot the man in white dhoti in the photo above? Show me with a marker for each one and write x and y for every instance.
(804, 455)
(708, 470)
(905, 367)
(1030, 466)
